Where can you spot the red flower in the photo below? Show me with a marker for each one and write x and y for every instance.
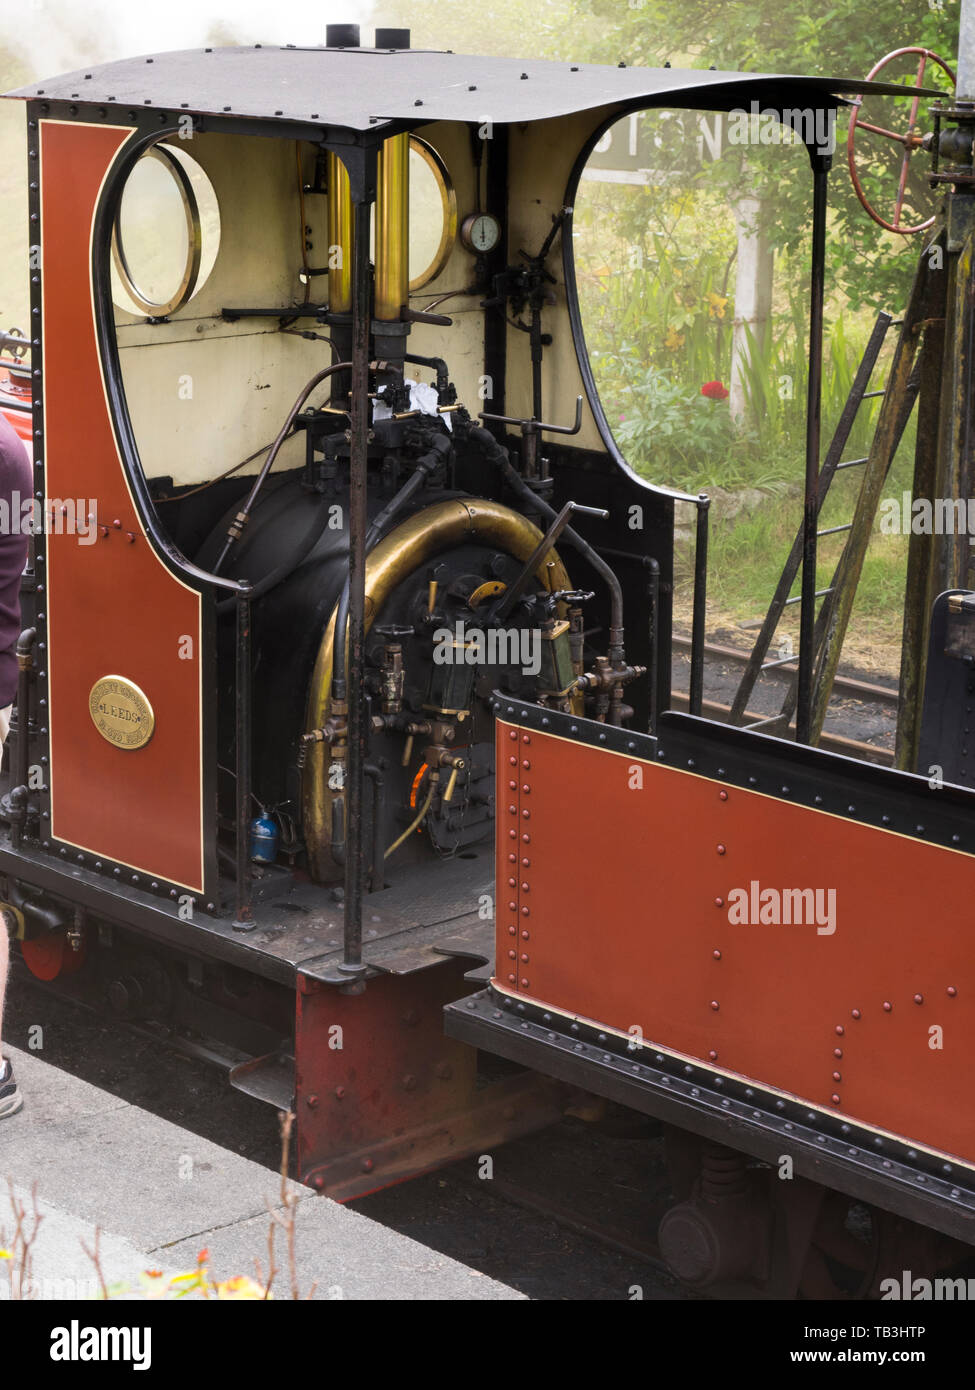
(714, 391)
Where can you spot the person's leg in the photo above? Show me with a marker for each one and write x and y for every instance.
(4, 965)
(10, 1098)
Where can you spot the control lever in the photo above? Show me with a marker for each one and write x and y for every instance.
(514, 591)
(530, 432)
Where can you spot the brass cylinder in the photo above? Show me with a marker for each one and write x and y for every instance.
(339, 236)
(393, 228)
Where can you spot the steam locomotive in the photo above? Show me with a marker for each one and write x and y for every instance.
(344, 748)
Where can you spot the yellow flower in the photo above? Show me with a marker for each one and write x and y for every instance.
(673, 340)
(239, 1287)
(716, 305)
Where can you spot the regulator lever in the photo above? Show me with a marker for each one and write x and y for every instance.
(514, 591)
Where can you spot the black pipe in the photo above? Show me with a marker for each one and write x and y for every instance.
(242, 920)
(25, 661)
(243, 515)
(358, 475)
(810, 515)
(495, 454)
(378, 882)
(440, 447)
(50, 918)
(440, 366)
(696, 690)
(654, 592)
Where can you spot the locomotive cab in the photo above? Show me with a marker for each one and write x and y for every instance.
(339, 710)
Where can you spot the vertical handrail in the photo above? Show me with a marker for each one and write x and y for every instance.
(695, 697)
(810, 515)
(355, 865)
(242, 918)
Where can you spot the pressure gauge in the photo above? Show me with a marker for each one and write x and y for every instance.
(480, 233)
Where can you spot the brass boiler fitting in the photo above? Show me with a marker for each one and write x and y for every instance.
(437, 757)
(607, 682)
(393, 229)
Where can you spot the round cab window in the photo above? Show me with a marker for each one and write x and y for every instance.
(166, 234)
(433, 214)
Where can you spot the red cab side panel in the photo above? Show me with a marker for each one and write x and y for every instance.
(112, 606)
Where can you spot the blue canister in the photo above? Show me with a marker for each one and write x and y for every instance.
(263, 839)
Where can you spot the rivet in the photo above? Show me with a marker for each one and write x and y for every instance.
(837, 1076)
(712, 1055)
(840, 1029)
(919, 998)
(887, 1006)
(715, 1005)
(719, 902)
(367, 1165)
(716, 955)
(722, 796)
(526, 764)
(512, 931)
(835, 1099)
(952, 991)
(721, 849)
(856, 1013)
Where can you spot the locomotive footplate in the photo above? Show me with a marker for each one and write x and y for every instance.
(869, 1167)
(379, 1092)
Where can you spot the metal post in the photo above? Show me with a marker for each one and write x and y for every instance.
(355, 865)
(810, 515)
(695, 695)
(242, 920)
(965, 86)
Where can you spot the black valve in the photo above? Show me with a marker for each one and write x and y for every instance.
(392, 631)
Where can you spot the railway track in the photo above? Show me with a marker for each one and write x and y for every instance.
(877, 702)
(843, 685)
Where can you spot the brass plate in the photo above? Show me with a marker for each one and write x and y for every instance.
(121, 713)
